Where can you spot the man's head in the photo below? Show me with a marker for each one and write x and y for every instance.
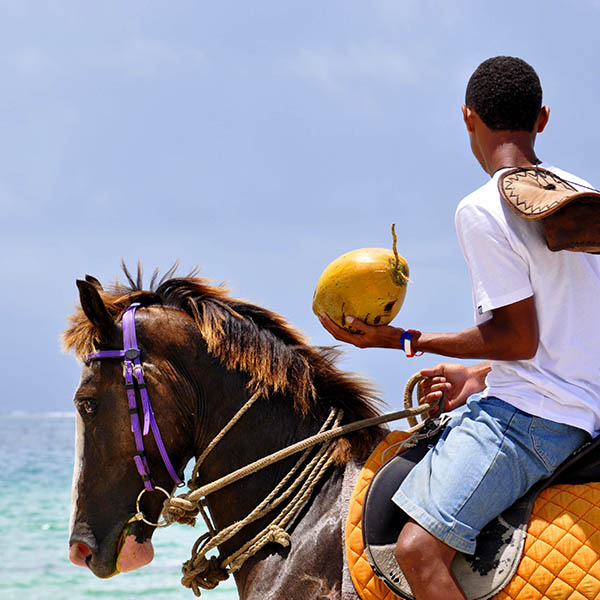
(503, 113)
(506, 93)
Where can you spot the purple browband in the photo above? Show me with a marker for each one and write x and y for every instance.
(132, 368)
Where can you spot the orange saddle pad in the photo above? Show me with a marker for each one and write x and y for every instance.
(561, 559)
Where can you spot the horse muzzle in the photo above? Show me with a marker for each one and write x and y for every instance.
(129, 550)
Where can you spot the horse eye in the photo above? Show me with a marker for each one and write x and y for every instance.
(89, 406)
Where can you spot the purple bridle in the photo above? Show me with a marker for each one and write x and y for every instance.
(134, 377)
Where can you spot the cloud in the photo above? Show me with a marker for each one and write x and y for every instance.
(148, 58)
(141, 58)
(31, 64)
(13, 206)
(411, 15)
(337, 69)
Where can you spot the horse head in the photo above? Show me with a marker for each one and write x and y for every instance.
(106, 483)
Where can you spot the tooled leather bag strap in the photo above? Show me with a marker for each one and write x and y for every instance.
(570, 217)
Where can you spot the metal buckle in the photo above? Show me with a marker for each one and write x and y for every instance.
(132, 353)
(139, 516)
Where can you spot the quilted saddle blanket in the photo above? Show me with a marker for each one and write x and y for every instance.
(560, 546)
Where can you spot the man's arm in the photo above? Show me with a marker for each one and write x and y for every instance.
(511, 334)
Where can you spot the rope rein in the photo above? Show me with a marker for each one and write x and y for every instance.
(205, 572)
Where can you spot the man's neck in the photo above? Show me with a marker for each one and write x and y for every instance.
(512, 149)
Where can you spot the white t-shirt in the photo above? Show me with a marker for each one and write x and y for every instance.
(509, 261)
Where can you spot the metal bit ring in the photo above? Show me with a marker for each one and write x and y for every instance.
(139, 516)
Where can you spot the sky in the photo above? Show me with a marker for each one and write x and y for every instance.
(258, 141)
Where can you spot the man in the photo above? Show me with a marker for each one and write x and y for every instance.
(537, 322)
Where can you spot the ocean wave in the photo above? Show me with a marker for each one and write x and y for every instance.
(21, 414)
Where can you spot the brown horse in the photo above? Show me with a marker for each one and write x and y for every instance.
(204, 354)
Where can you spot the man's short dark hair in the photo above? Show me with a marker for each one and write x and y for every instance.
(506, 93)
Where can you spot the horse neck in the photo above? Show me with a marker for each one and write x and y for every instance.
(269, 425)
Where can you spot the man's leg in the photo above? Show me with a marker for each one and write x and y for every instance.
(425, 562)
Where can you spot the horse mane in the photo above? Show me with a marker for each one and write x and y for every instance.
(248, 338)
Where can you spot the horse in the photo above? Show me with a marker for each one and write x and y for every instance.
(204, 355)
(232, 383)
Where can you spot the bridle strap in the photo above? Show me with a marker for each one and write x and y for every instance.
(133, 373)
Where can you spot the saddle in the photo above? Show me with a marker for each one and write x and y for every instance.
(500, 545)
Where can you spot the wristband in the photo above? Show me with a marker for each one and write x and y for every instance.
(402, 338)
(406, 343)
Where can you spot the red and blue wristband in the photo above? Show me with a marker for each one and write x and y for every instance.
(406, 343)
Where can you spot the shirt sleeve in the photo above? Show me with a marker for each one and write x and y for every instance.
(499, 273)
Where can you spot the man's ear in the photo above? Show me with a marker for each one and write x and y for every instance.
(468, 117)
(94, 307)
(542, 119)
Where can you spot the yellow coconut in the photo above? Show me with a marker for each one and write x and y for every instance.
(369, 284)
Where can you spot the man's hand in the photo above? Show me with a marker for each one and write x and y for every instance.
(457, 381)
(363, 335)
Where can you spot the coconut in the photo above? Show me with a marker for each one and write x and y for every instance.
(368, 283)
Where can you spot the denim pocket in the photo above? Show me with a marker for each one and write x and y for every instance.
(555, 442)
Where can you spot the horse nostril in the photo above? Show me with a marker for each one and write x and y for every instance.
(80, 554)
(82, 544)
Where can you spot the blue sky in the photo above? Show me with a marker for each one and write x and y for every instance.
(258, 140)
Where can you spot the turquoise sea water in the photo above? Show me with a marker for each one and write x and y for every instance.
(36, 453)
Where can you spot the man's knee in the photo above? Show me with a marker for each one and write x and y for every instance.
(418, 550)
(411, 546)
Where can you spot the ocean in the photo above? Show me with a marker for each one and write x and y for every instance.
(36, 452)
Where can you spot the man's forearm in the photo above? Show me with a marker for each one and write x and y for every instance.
(470, 343)
(511, 334)
(476, 342)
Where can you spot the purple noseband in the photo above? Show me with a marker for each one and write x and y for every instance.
(134, 377)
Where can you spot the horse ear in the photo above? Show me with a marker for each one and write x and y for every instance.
(91, 279)
(93, 306)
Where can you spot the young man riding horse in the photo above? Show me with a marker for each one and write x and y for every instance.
(536, 315)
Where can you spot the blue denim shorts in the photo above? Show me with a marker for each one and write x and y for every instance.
(488, 457)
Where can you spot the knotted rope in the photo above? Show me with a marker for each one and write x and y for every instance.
(202, 572)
